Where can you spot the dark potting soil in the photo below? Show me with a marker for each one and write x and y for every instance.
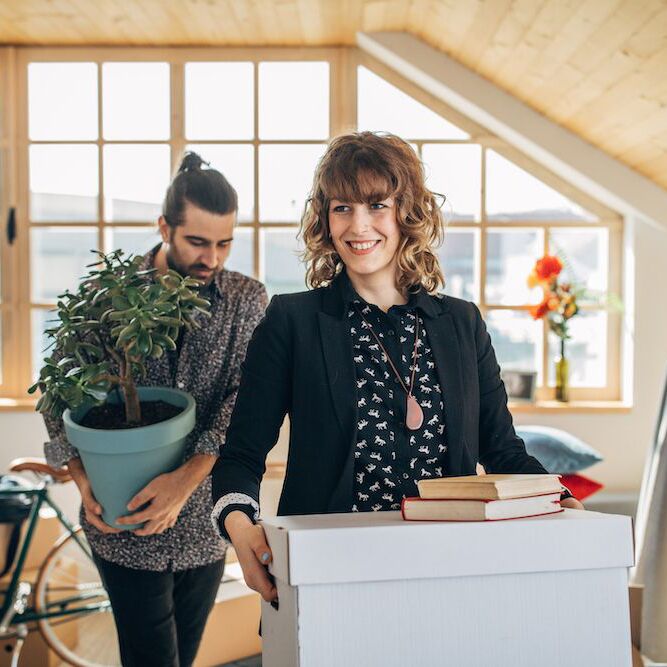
(112, 415)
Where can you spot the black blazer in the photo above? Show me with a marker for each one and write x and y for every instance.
(299, 362)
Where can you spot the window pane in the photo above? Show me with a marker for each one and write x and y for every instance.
(135, 241)
(285, 179)
(241, 256)
(585, 255)
(516, 339)
(136, 178)
(58, 257)
(235, 163)
(456, 172)
(459, 258)
(510, 257)
(586, 350)
(63, 183)
(294, 100)
(514, 194)
(136, 100)
(219, 101)
(383, 107)
(41, 346)
(62, 101)
(283, 270)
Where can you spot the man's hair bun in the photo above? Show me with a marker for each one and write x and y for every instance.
(191, 162)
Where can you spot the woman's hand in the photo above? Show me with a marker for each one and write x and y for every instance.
(91, 508)
(572, 504)
(253, 553)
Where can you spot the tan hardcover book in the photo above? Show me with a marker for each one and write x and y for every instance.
(420, 509)
(489, 487)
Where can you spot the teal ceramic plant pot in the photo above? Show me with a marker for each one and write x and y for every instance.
(119, 463)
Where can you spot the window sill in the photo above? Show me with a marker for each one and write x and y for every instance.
(17, 404)
(593, 407)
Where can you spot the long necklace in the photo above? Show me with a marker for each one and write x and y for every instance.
(414, 415)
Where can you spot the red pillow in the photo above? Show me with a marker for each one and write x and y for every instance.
(579, 486)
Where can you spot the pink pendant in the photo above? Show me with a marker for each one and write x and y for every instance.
(414, 414)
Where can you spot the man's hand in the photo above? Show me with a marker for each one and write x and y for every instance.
(166, 495)
(572, 504)
(91, 508)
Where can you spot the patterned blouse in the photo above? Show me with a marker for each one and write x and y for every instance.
(390, 458)
(208, 366)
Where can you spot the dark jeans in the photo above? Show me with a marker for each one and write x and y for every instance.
(160, 616)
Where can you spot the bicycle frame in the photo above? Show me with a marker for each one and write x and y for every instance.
(40, 497)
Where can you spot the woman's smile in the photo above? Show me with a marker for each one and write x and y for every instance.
(363, 247)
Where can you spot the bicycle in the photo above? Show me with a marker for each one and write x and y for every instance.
(68, 604)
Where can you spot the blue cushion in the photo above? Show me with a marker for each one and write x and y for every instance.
(558, 451)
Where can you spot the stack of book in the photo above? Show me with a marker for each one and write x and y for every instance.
(483, 498)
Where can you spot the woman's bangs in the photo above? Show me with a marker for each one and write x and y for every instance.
(357, 184)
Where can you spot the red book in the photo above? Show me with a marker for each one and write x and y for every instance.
(465, 509)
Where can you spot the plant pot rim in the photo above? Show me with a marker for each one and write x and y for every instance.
(190, 406)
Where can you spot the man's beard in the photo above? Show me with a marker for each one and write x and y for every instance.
(174, 265)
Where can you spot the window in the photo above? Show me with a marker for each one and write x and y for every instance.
(5, 305)
(101, 132)
(501, 217)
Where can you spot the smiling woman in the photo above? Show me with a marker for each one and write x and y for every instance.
(371, 188)
(396, 382)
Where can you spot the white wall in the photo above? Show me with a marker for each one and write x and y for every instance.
(622, 438)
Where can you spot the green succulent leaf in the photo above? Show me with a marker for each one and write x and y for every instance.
(118, 318)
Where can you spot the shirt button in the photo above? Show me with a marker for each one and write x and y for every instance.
(395, 380)
(180, 385)
(390, 332)
(405, 475)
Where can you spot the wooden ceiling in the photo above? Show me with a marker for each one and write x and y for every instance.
(597, 67)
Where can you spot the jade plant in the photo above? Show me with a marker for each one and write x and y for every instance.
(106, 331)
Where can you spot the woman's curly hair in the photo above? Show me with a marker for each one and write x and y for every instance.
(370, 167)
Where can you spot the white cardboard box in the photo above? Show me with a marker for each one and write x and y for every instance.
(372, 590)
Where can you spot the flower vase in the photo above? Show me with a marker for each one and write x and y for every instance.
(562, 375)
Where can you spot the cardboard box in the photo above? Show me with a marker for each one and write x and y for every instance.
(47, 531)
(636, 592)
(231, 632)
(370, 589)
(636, 658)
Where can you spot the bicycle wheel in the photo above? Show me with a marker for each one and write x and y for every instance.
(78, 623)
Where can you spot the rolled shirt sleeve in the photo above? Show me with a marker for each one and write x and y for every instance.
(229, 503)
(57, 449)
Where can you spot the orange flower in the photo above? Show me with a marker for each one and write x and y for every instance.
(570, 310)
(548, 268)
(553, 302)
(540, 310)
(533, 280)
